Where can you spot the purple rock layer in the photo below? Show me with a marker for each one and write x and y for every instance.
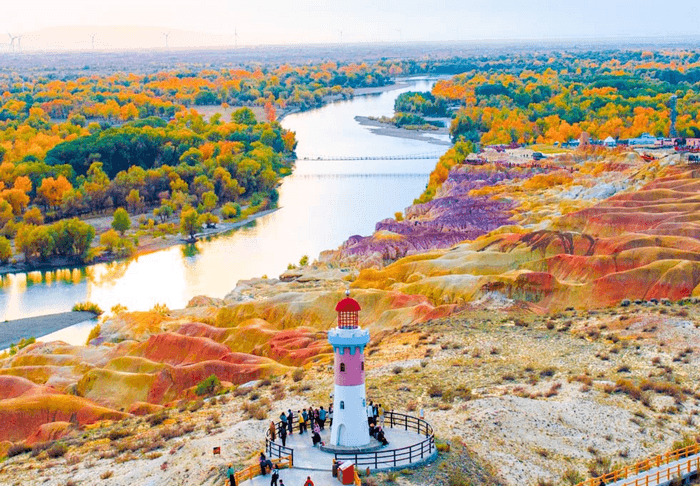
(451, 217)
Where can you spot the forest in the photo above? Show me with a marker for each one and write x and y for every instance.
(81, 146)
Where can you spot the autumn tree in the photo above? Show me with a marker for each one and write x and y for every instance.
(121, 221)
(190, 223)
(51, 191)
(5, 250)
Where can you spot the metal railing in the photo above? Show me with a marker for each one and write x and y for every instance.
(274, 449)
(683, 467)
(396, 457)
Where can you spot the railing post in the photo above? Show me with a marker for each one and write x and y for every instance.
(394, 457)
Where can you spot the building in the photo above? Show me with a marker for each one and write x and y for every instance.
(645, 139)
(610, 142)
(350, 427)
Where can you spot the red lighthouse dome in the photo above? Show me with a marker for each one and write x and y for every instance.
(347, 310)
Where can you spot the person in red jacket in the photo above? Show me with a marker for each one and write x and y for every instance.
(308, 481)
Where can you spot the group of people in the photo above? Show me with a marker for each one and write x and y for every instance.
(305, 418)
(375, 413)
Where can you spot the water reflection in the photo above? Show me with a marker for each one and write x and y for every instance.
(315, 214)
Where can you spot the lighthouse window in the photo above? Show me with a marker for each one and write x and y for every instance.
(363, 366)
(342, 405)
(342, 366)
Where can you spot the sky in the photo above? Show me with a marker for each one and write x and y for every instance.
(67, 24)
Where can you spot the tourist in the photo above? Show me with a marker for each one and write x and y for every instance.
(305, 417)
(322, 417)
(372, 431)
(330, 415)
(263, 463)
(275, 476)
(381, 415)
(380, 436)
(301, 422)
(281, 483)
(370, 413)
(316, 438)
(231, 475)
(290, 421)
(375, 413)
(317, 419)
(283, 418)
(273, 430)
(308, 481)
(283, 436)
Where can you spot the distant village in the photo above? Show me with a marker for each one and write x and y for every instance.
(646, 140)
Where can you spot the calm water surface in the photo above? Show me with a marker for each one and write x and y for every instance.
(321, 204)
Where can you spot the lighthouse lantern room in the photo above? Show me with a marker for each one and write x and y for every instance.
(350, 428)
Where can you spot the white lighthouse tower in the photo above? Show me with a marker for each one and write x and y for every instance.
(350, 428)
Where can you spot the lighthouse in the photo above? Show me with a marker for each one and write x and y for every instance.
(350, 428)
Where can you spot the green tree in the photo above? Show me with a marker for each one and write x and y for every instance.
(190, 222)
(244, 116)
(163, 212)
(121, 221)
(5, 250)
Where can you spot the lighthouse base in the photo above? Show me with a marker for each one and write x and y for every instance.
(373, 445)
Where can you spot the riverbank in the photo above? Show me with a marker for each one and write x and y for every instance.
(386, 129)
(147, 244)
(39, 326)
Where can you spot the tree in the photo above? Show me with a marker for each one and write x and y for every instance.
(210, 220)
(190, 223)
(6, 213)
(244, 116)
(121, 221)
(163, 212)
(5, 250)
(209, 201)
(109, 239)
(134, 200)
(34, 216)
(51, 190)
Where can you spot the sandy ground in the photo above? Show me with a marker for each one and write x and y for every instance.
(386, 129)
(379, 89)
(13, 331)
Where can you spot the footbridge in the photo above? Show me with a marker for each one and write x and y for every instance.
(422, 156)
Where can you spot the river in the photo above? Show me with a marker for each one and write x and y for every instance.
(321, 204)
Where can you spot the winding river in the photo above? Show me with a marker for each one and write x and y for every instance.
(321, 204)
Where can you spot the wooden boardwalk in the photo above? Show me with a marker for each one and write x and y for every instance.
(657, 471)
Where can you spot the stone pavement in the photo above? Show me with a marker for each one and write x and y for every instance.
(311, 461)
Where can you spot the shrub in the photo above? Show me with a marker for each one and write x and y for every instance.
(397, 370)
(157, 418)
(57, 450)
(572, 476)
(629, 388)
(208, 386)
(87, 307)
(435, 391)
(298, 374)
(17, 449)
(94, 333)
(106, 474)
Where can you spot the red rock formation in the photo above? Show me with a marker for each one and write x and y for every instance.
(22, 416)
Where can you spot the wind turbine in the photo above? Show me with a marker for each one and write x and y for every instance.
(12, 40)
(341, 36)
(92, 37)
(166, 34)
(235, 38)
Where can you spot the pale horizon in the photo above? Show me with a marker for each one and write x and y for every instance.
(131, 24)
